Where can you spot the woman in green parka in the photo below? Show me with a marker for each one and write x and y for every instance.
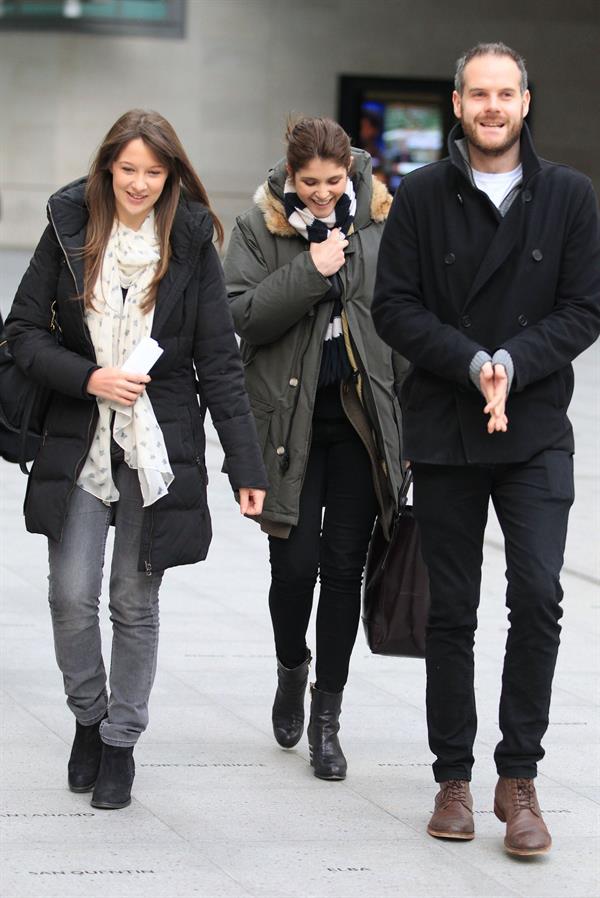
(300, 270)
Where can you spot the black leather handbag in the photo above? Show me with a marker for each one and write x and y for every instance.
(23, 406)
(395, 601)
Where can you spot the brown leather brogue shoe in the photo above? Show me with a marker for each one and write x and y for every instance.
(516, 804)
(453, 815)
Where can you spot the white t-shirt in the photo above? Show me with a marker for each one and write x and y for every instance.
(498, 185)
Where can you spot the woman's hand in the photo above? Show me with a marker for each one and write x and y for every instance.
(251, 500)
(328, 256)
(116, 385)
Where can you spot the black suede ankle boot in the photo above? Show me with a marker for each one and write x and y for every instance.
(115, 778)
(84, 761)
(288, 707)
(326, 755)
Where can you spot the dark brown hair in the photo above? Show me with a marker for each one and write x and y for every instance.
(160, 137)
(494, 49)
(310, 138)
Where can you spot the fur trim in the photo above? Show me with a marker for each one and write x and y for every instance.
(274, 213)
(276, 221)
(381, 200)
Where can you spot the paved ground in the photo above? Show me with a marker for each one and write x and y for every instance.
(219, 809)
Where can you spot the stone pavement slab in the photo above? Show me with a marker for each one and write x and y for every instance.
(219, 809)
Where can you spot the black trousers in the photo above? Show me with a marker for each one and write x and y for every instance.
(532, 502)
(332, 544)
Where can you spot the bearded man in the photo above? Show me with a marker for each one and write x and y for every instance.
(489, 283)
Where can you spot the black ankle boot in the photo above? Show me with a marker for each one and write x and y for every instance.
(85, 757)
(326, 755)
(288, 707)
(115, 778)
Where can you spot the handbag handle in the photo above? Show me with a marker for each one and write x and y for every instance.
(402, 500)
(407, 479)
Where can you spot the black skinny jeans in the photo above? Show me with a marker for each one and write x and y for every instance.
(333, 545)
(532, 501)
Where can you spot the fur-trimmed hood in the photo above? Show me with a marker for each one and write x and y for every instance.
(373, 200)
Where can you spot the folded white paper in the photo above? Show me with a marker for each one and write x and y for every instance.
(143, 357)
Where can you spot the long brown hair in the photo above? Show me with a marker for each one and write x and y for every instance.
(309, 138)
(160, 137)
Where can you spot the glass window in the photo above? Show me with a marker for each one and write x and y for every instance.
(163, 18)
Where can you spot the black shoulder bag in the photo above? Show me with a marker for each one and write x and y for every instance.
(395, 602)
(23, 406)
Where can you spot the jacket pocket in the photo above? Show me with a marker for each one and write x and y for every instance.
(197, 429)
(562, 388)
(263, 413)
(411, 391)
(247, 353)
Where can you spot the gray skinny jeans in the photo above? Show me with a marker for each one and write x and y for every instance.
(75, 579)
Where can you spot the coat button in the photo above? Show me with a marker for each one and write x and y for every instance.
(465, 321)
(293, 381)
(537, 255)
(522, 319)
(280, 450)
(449, 258)
(526, 196)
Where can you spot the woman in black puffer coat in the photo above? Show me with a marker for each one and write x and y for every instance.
(127, 256)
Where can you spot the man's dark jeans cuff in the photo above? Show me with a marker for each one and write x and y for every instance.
(445, 774)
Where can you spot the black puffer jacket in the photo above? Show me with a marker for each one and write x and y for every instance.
(193, 325)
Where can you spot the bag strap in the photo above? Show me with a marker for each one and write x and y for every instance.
(25, 431)
(55, 330)
(405, 486)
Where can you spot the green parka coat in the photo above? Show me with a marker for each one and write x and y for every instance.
(275, 292)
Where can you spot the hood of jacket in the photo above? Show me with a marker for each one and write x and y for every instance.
(373, 199)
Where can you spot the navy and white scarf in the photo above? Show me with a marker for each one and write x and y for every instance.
(334, 362)
(313, 229)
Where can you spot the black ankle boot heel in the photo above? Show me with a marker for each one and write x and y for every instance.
(326, 755)
(84, 761)
(115, 778)
(288, 707)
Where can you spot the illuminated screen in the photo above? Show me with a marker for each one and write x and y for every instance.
(400, 136)
(402, 124)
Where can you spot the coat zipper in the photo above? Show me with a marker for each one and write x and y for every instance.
(148, 564)
(310, 429)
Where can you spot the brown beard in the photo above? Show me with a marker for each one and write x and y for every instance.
(512, 136)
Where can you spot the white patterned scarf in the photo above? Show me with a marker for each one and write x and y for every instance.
(116, 326)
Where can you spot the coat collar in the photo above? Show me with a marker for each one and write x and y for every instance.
(529, 158)
(68, 213)
(192, 230)
(373, 200)
(509, 231)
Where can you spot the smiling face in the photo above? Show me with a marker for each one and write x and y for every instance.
(319, 185)
(138, 179)
(491, 109)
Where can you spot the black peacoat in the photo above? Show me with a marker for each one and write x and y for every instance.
(193, 325)
(454, 277)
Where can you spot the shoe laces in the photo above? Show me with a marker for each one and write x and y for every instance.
(454, 790)
(524, 794)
